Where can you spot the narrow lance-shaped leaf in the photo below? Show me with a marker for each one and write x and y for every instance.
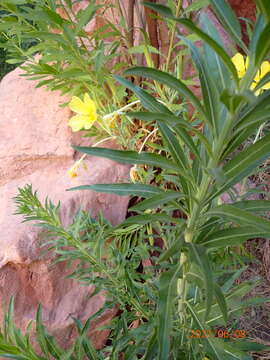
(232, 237)
(229, 20)
(214, 64)
(240, 217)
(263, 46)
(264, 7)
(255, 206)
(169, 80)
(157, 200)
(166, 299)
(150, 219)
(130, 157)
(215, 350)
(175, 123)
(123, 189)
(198, 254)
(209, 91)
(201, 34)
(193, 277)
(243, 164)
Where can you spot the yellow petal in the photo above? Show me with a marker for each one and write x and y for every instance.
(265, 68)
(77, 122)
(78, 106)
(88, 123)
(246, 63)
(89, 104)
(239, 62)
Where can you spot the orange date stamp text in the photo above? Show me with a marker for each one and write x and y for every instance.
(217, 333)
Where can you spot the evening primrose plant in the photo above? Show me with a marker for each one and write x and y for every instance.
(201, 166)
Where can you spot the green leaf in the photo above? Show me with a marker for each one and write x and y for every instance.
(218, 49)
(89, 350)
(221, 302)
(130, 157)
(85, 16)
(147, 100)
(263, 46)
(159, 8)
(124, 189)
(140, 49)
(151, 218)
(173, 250)
(53, 16)
(229, 20)
(157, 200)
(195, 6)
(199, 255)
(264, 7)
(215, 350)
(243, 164)
(253, 205)
(240, 217)
(169, 80)
(215, 66)
(174, 147)
(231, 237)
(209, 91)
(176, 124)
(166, 299)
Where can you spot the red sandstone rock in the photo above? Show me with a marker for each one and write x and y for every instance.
(36, 149)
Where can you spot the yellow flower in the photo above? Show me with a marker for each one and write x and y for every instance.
(241, 65)
(86, 113)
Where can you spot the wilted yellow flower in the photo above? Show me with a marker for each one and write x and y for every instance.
(86, 113)
(241, 65)
(73, 171)
(134, 176)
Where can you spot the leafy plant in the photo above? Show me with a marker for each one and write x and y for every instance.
(202, 166)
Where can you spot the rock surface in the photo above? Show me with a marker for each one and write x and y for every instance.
(36, 149)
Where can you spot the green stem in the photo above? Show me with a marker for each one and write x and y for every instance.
(178, 9)
(198, 207)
